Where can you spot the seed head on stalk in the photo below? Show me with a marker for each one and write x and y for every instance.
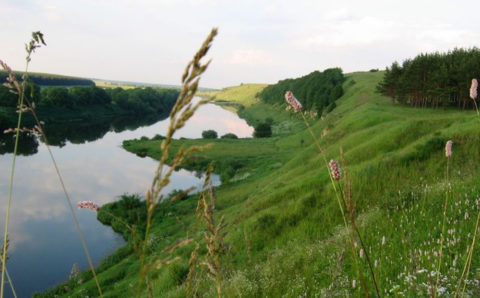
(335, 169)
(473, 89)
(90, 205)
(448, 148)
(296, 105)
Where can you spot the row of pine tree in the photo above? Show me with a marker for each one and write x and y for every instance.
(433, 80)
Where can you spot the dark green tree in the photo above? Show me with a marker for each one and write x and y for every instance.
(209, 134)
(229, 136)
(262, 130)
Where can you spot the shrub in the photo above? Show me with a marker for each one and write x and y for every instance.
(229, 136)
(263, 130)
(209, 134)
(158, 137)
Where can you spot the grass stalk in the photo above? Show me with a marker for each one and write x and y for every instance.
(37, 39)
(214, 235)
(442, 236)
(10, 282)
(13, 85)
(39, 129)
(339, 201)
(10, 186)
(468, 262)
(180, 113)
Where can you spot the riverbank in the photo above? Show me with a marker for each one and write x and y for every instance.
(285, 235)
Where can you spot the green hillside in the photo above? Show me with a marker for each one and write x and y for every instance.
(286, 236)
(236, 98)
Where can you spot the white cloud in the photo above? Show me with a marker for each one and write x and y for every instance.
(258, 41)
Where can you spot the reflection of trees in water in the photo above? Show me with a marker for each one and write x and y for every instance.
(75, 133)
(132, 123)
(27, 143)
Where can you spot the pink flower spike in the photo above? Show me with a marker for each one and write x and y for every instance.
(473, 89)
(88, 205)
(335, 169)
(448, 148)
(296, 105)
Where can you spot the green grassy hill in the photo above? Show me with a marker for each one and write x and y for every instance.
(286, 236)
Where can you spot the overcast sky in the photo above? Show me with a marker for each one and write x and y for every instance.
(259, 41)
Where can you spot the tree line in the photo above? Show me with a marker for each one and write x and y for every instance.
(316, 91)
(44, 79)
(137, 100)
(433, 80)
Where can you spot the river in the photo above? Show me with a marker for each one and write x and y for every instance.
(44, 244)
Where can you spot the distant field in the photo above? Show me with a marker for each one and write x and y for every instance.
(129, 85)
(233, 98)
(106, 84)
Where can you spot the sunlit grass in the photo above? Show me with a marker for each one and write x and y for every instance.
(296, 244)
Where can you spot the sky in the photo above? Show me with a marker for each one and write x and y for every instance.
(259, 41)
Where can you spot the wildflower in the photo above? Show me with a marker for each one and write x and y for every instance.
(473, 89)
(361, 253)
(354, 283)
(87, 205)
(448, 148)
(296, 105)
(383, 240)
(335, 169)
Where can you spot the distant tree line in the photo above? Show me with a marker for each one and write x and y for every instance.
(61, 104)
(316, 91)
(137, 100)
(433, 80)
(43, 79)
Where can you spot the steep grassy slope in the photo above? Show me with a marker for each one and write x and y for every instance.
(285, 229)
(243, 100)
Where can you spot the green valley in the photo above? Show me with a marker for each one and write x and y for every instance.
(286, 236)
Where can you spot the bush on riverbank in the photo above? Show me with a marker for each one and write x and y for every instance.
(262, 130)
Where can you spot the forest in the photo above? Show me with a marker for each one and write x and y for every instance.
(433, 80)
(137, 100)
(62, 104)
(45, 79)
(316, 91)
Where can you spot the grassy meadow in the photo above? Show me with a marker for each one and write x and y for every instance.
(286, 236)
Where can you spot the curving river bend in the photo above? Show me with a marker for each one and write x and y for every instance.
(44, 244)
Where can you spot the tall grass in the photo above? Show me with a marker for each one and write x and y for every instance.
(24, 105)
(181, 112)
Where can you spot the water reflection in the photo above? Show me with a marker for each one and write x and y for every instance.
(44, 243)
(75, 133)
(27, 143)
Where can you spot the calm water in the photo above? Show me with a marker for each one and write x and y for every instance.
(44, 244)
